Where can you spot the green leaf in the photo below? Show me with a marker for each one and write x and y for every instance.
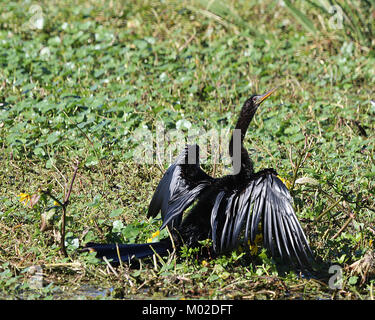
(39, 152)
(116, 212)
(117, 226)
(353, 280)
(301, 17)
(91, 161)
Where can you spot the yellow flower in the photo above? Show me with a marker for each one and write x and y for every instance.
(25, 198)
(154, 235)
(204, 263)
(257, 242)
(285, 181)
(253, 249)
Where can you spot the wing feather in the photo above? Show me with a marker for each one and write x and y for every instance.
(215, 216)
(266, 200)
(279, 227)
(242, 209)
(267, 226)
(257, 213)
(181, 201)
(180, 186)
(225, 234)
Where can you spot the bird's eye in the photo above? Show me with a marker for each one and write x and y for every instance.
(255, 99)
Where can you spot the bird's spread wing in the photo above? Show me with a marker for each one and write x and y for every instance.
(265, 202)
(182, 183)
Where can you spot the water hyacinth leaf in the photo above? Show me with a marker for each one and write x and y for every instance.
(116, 212)
(91, 161)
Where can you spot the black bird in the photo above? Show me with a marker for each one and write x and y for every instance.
(228, 210)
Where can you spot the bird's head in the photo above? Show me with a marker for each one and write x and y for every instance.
(255, 100)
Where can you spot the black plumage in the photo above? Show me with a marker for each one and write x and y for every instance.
(229, 210)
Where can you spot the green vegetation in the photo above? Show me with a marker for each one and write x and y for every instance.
(79, 79)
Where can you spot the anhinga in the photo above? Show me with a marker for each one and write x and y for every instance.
(227, 210)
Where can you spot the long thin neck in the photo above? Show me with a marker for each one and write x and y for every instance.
(236, 147)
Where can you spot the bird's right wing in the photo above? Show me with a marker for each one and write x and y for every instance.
(181, 184)
(265, 202)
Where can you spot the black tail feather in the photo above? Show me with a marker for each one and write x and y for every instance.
(127, 252)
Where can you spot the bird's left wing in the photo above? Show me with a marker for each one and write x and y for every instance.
(181, 184)
(264, 201)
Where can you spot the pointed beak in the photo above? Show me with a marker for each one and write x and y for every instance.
(265, 96)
